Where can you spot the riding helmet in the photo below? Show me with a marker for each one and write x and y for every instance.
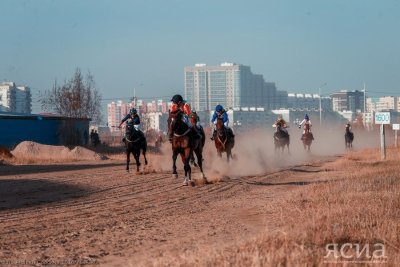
(218, 108)
(177, 98)
(133, 111)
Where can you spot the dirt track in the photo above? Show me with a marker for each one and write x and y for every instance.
(95, 212)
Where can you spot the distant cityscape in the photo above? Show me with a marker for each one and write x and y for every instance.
(246, 96)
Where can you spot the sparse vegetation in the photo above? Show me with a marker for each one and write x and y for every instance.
(76, 98)
(359, 203)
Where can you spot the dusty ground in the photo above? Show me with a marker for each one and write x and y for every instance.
(96, 213)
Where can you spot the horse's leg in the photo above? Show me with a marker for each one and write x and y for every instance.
(128, 158)
(144, 149)
(137, 155)
(174, 156)
(199, 156)
(228, 154)
(188, 169)
(185, 155)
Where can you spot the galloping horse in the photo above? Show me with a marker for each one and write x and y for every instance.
(281, 139)
(135, 142)
(224, 140)
(181, 143)
(307, 137)
(348, 138)
(198, 142)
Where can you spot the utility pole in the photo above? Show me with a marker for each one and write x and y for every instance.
(320, 104)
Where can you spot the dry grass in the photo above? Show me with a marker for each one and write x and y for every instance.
(360, 204)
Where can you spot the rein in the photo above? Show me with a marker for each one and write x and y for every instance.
(219, 138)
(185, 133)
(132, 141)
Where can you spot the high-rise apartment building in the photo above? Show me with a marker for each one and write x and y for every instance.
(14, 98)
(348, 101)
(231, 85)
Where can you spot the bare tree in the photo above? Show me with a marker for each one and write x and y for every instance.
(76, 98)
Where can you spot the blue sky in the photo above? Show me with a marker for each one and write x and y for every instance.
(299, 45)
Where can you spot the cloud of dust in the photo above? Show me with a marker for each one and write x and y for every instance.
(254, 152)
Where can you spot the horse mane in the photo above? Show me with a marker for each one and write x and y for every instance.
(175, 113)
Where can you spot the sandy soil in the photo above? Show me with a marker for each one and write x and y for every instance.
(94, 212)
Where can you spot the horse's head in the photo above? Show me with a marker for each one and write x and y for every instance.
(194, 118)
(220, 124)
(175, 122)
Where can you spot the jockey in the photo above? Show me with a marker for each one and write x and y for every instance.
(348, 126)
(282, 123)
(196, 118)
(132, 122)
(219, 113)
(196, 121)
(179, 103)
(305, 121)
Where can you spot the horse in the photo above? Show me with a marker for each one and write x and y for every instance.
(135, 142)
(224, 139)
(182, 140)
(281, 139)
(198, 142)
(348, 138)
(307, 137)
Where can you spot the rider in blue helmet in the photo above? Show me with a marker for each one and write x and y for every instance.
(132, 122)
(219, 113)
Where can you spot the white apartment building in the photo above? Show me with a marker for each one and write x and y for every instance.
(14, 98)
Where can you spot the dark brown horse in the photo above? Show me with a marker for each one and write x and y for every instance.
(134, 143)
(198, 142)
(224, 139)
(348, 138)
(181, 139)
(307, 137)
(281, 139)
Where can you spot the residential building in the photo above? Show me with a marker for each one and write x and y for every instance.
(231, 85)
(384, 103)
(14, 98)
(116, 111)
(306, 102)
(348, 101)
